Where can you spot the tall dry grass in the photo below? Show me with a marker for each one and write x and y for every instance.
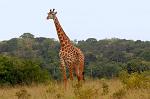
(90, 89)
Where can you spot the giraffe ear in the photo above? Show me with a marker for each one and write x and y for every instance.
(55, 13)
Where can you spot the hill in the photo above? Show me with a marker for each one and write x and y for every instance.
(104, 58)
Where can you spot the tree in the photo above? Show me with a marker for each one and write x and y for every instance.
(146, 55)
(137, 65)
(27, 35)
(103, 58)
(91, 40)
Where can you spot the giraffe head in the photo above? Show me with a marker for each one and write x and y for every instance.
(51, 14)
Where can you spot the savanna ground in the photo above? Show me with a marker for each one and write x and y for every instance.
(90, 89)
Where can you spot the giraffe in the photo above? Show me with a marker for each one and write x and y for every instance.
(70, 56)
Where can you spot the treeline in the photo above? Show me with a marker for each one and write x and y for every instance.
(28, 59)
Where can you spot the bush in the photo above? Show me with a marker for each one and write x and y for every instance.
(51, 88)
(32, 72)
(17, 71)
(56, 90)
(85, 92)
(105, 88)
(134, 80)
(119, 94)
(23, 94)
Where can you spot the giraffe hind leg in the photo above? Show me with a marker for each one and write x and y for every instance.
(76, 67)
(81, 70)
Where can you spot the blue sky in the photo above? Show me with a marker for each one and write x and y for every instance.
(81, 19)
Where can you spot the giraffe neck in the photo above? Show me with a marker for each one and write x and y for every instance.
(63, 38)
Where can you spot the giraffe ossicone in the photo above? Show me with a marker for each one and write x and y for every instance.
(70, 56)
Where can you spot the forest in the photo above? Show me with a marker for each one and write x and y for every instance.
(30, 59)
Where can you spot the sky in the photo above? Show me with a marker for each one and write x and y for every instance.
(80, 19)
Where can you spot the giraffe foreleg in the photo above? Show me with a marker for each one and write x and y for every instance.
(70, 66)
(63, 69)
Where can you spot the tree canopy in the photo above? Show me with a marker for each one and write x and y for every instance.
(103, 58)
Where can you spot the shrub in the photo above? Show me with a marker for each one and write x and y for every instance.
(119, 94)
(23, 94)
(18, 71)
(51, 88)
(105, 88)
(134, 80)
(56, 90)
(83, 92)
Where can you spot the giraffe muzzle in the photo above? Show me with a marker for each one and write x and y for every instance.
(47, 18)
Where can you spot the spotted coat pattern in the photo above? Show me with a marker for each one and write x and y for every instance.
(70, 56)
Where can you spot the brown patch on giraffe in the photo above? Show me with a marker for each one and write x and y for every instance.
(67, 45)
(62, 48)
(59, 30)
(62, 44)
(59, 35)
(61, 38)
(66, 54)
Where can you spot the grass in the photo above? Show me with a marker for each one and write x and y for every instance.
(90, 89)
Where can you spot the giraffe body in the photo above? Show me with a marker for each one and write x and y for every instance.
(73, 57)
(70, 56)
